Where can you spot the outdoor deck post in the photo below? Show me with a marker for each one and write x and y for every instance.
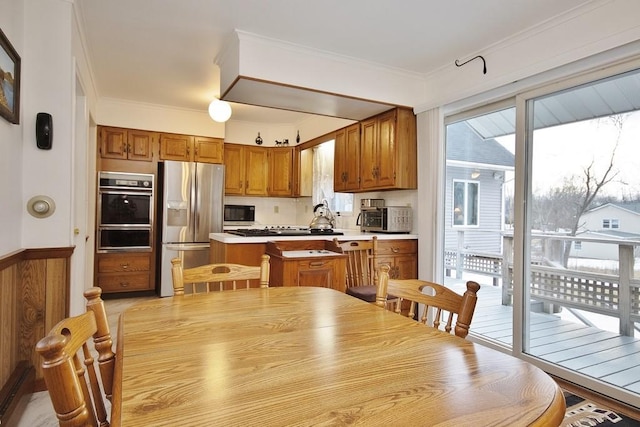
(507, 260)
(626, 265)
(460, 255)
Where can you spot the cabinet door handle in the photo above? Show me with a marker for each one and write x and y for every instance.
(316, 263)
(124, 284)
(395, 250)
(124, 266)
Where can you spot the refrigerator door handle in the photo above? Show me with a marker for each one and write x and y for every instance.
(186, 247)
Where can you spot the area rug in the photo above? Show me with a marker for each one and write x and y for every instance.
(582, 413)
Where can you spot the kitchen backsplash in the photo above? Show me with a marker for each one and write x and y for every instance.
(288, 211)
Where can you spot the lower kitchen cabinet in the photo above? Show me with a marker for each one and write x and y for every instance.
(297, 263)
(326, 272)
(401, 256)
(125, 272)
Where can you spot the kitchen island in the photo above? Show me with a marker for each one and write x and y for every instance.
(399, 251)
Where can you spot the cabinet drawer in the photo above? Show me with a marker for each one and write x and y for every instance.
(315, 264)
(120, 263)
(124, 282)
(397, 247)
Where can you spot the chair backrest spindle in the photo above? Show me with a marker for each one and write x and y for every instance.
(439, 302)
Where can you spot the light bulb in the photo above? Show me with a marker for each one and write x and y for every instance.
(220, 111)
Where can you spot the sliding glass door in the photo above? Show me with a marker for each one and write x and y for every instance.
(542, 208)
(478, 212)
(581, 296)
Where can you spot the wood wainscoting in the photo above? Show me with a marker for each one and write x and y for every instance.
(34, 296)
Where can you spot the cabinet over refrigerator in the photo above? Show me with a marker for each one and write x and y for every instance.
(192, 208)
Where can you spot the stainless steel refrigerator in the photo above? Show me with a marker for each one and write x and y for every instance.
(192, 208)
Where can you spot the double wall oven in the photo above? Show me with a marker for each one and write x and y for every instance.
(125, 211)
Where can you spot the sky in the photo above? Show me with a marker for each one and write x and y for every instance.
(562, 151)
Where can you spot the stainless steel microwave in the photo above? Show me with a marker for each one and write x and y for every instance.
(387, 219)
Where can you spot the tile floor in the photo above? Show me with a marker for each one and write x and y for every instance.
(39, 412)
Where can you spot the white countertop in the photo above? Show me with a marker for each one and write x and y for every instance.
(348, 235)
(309, 253)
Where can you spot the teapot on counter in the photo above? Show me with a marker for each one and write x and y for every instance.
(323, 219)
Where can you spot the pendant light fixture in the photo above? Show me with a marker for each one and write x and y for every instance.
(220, 111)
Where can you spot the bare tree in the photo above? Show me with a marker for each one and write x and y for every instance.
(561, 208)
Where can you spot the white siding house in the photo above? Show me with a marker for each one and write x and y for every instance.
(612, 221)
(474, 194)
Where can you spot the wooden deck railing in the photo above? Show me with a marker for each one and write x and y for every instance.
(608, 294)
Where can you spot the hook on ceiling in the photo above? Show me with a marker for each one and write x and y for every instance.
(484, 68)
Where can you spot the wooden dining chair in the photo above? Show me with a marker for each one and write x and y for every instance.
(68, 365)
(444, 303)
(361, 267)
(218, 277)
(102, 340)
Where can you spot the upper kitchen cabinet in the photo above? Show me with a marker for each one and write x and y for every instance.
(256, 171)
(126, 144)
(189, 148)
(176, 147)
(208, 150)
(346, 175)
(246, 170)
(388, 148)
(280, 172)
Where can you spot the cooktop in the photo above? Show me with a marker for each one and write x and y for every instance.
(260, 232)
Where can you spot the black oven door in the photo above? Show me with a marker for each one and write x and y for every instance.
(125, 208)
(119, 239)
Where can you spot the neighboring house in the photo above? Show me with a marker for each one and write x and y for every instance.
(612, 221)
(474, 198)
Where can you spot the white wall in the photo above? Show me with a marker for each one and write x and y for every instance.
(136, 115)
(47, 86)
(11, 208)
(593, 28)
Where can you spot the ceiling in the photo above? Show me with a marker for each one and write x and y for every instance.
(162, 51)
(614, 95)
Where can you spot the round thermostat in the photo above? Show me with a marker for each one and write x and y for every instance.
(41, 206)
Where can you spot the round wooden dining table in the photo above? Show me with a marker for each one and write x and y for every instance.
(312, 356)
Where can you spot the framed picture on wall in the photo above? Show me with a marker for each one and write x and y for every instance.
(9, 81)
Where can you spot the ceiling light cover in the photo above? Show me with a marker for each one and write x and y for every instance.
(220, 111)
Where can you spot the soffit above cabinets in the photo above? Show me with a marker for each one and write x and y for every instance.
(264, 72)
(283, 97)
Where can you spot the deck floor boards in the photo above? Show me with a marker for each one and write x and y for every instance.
(585, 349)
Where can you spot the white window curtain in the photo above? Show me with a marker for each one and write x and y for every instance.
(323, 173)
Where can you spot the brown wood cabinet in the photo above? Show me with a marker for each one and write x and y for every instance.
(126, 144)
(305, 269)
(189, 148)
(280, 172)
(401, 256)
(246, 170)
(208, 150)
(388, 148)
(125, 272)
(324, 272)
(346, 175)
